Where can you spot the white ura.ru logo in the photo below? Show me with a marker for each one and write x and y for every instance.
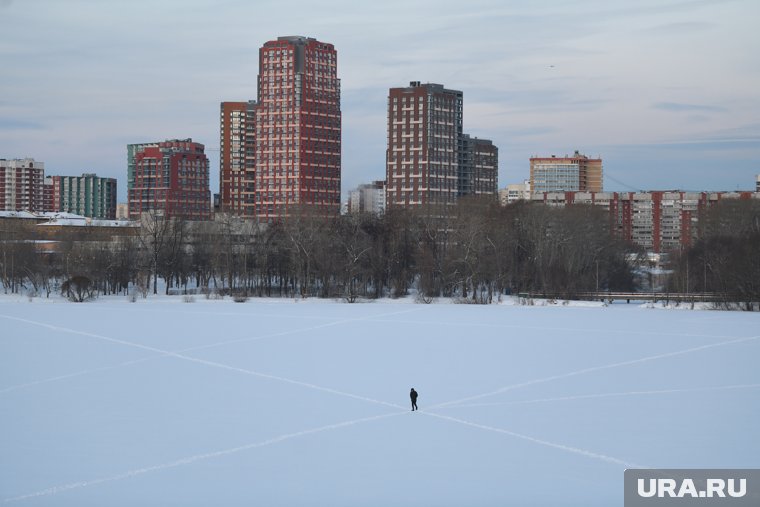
(716, 488)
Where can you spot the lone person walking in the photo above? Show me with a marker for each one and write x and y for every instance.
(413, 396)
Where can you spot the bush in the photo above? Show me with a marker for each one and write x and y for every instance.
(79, 289)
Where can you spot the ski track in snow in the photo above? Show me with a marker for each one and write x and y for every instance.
(606, 395)
(209, 314)
(582, 452)
(198, 457)
(169, 353)
(594, 369)
(203, 361)
(562, 447)
(563, 330)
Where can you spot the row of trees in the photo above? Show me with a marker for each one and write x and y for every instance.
(479, 251)
(725, 260)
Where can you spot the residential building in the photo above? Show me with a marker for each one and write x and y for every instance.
(22, 185)
(87, 195)
(515, 192)
(297, 129)
(122, 211)
(237, 158)
(48, 198)
(430, 161)
(422, 159)
(757, 183)
(367, 198)
(282, 152)
(132, 150)
(577, 173)
(657, 221)
(171, 177)
(478, 172)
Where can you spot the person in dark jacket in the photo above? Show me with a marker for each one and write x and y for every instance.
(413, 396)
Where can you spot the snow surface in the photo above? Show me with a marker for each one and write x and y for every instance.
(290, 403)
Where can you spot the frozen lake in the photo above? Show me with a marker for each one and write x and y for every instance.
(276, 402)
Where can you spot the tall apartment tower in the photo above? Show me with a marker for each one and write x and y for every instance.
(87, 195)
(22, 185)
(478, 167)
(132, 150)
(298, 129)
(566, 174)
(171, 177)
(424, 131)
(237, 157)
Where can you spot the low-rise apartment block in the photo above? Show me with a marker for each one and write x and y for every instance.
(658, 221)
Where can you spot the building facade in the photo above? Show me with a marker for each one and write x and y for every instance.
(282, 153)
(657, 221)
(122, 211)
(22, 185)
(577, 173)
(132, 150)
(367, 198)
(87, 195)
(515, 192)
(171, 178)
(298, 129)
(422, 159)
(430, 161)
(237, 158)
(478, 167)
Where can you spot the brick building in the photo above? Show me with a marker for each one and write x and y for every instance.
(429, 160)
(658, 221)
(283, 151)
(22, 185)
(170, 177)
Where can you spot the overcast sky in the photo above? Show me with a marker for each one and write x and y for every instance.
(667, 92)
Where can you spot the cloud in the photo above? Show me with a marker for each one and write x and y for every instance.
(14, 123)
(679, 28)
(678, 107)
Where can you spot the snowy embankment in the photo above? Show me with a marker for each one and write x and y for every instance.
(305, 402)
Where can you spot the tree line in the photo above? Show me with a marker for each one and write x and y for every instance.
(725, 259)
(477, 253)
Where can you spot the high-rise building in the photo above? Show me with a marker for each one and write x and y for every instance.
(237, 157)
(478, 167)
(87, 195)
(430, 162)
(22, 185)
(282, 152)
(757, 183)
(422, 159)
(170, 177)
(559, 174)
(297, 129)
(132, 150)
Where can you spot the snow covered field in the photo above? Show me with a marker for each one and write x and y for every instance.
(276, 402)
